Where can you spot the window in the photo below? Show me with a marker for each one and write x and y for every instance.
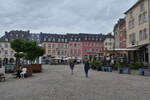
(131, 15)
(44, 45)
(6, 45)
(49, 39)
(132, 38)
(58, 40)
(140, 19)
(93, 50)
(58, 52)
(48, 52)
(62, 40)
(6, 52)
(6, 39)
(85, 38)
(62, 52)
(79, 39)
(71, 51)
(49, 45)
(70, 44)
(66, 40)
(44, 39)
(53, 45)
(110, 43)
(79, 52)
(53, 52)
(62, 45)
(75, 45)
(11, 52)
(145, 16)
(79, 45)
(142, 7)
(131, 24)
(53, 39)
(145, 34)
(75, 52)
(141, 35)
(96, 50)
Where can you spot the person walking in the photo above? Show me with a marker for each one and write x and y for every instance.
(86, 67)
(71, 66)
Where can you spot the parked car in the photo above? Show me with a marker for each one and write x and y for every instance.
(9, 68)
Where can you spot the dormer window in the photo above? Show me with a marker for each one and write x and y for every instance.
(58, 40)
(62, 40)
(79, 39)
(66, 40)
(44, 39)
(49, 39)
(85, 38)
(6, 39)
(53, 39)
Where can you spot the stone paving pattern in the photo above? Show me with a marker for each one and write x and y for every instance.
(57, 83)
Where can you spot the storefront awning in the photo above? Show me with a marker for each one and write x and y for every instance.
(138, 47)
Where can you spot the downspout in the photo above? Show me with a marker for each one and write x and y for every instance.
(149, 31)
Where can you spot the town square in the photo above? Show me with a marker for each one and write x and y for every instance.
(75, 50)
(56, 83)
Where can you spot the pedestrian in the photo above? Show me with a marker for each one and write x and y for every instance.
(71, 66)
(18, 72)
(112, 62)
(86, 67)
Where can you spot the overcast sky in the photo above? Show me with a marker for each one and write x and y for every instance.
(61, 16)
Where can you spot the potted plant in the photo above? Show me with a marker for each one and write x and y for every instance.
(136, 65)
(92, 64)
(98, 65)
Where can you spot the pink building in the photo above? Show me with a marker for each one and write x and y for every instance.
(92, 49)
(75, 49)
(122, 35)
(85, 45)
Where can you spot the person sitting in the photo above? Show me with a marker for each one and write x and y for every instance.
(18, 73)
(2, 74)
(24, 71)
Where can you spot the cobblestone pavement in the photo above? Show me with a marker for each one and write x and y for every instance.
(57, 83)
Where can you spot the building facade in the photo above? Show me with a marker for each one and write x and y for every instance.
(109, 43)
(137, 27)
(6, 52)
(120, 34)
(56, 46)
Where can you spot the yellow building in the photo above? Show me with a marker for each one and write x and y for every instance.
(137, 28)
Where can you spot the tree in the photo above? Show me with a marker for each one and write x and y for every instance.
(18, 46)
(27, 49)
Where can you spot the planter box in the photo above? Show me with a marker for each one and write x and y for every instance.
(36, 67)
(29, 71)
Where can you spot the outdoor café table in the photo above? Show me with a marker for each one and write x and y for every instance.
(142, 70)
(109, 69)
(120, 70)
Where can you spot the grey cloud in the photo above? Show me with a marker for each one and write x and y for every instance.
(75, 16)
